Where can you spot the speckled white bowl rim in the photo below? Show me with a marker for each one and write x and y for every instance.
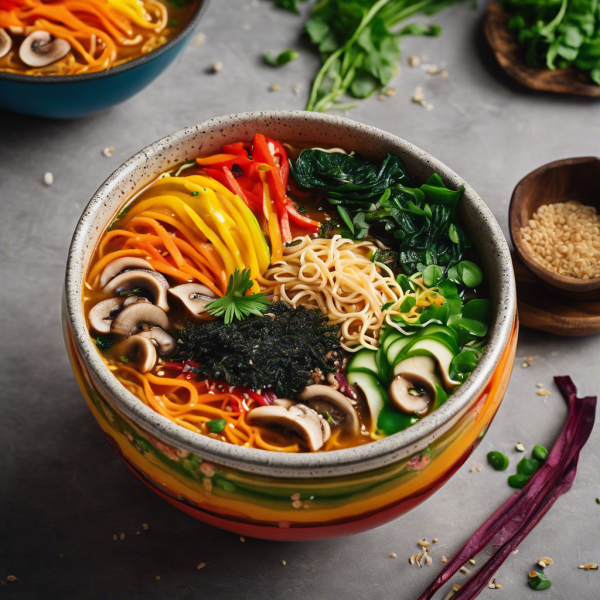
(478, 220)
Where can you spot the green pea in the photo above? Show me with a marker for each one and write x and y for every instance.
(517, 480)
(539, 453)
(528, 466)
(217, 425)
(539, 582)
(498, 460)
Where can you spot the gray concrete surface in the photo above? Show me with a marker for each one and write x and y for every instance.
(63, 492)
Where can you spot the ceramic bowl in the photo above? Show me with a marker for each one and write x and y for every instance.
(72, 96)
(250, 491)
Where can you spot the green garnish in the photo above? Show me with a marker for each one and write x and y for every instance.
(235, 304)
(518, 480)
(539, 453)
(597, 500)
(302, 210)
(528, 466)
(330, 419)
(195, 193)
(103, 343)
(539, 581)
(217, 425)
(327, 228)
(125, 293)
(282, 59)
(123, 359)
(558, 34)
(498, 460)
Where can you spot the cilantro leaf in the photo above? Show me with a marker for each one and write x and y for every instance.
(235, 304)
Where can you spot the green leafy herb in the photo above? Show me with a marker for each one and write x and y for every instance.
(327, 228)
(123, 359)
(103, 343)
(330, 419)
(235, 304)
(360, 44)
(216, 425)
(539, 581)
(278, 352)
(281, 59)
(558, 33)
(302, 210)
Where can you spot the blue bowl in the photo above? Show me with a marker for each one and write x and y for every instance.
(72, 96)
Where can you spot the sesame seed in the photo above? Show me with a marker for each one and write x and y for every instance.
(444, 559)
(200, 40)
(242, 538)
(108, 151)
(122, 537)
(145, 527)
(414, 61)
(543, 393)
(393, 555)
(11, 578)
(472, 561)
(283, 563)
(434, 540)
(217, 67)
(48, 178)
(115, 537)
(519, 447)
(201, 566)
(157, 578)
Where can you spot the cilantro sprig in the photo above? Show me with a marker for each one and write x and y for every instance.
(235, 304)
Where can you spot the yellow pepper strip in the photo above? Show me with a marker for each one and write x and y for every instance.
(271, 216)
(215, 158)
(260, 244)
(228, 260)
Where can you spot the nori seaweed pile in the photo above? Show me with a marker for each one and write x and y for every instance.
(263, 352)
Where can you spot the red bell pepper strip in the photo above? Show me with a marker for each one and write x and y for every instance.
(301, 220)
(284, 163)
(219, 176)
(252, 202)
(280, 204)
(237, 149)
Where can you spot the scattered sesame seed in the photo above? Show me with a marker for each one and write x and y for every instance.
(242, 538)
(295, 496)
(137, 533)
(61, 555)
(444, 559)
(48, 178)
(11, 578)
(145, 527)
(588, 567)
(157, 578)
(217, 67)
(414, 61)
(498, 586)
(297, 89)
(381, 97)
(412, 559)
(433, 70)
(524, 364)
(122, 537)
(201, 566)
(108, 151)
(393, 555)
(283, 563)
(546, 560)
(444, 73)
(391, 92)
(539, 385)
(472, 561)
(297, 503)
(418, 96)
(474, 469)
(424, 544)
(464, 571)
(115, 537)
(200, 40)
(543, 393)
(274, 87)
(519, 447)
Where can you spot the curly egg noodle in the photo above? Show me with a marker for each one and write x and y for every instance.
(337, 276)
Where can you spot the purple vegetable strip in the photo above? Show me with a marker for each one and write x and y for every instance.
(511, 523)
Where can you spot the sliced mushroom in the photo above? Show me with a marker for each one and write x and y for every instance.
(165, 343)
(139, 351)
(41, 49)
(413, 388)
(129, 300)
(102, 315)
(194, 296)
(299, 418)
(152, 281)
(125, 263)
(324, 399)
(5, 43)
(130, 320)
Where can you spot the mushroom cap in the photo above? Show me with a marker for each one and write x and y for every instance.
(417, 373)
(301, 419)
(100, 316)
(323, 398)
(40, 49)
(5, 43)
(125, 263)
(193, 296)
(165, 343)
(130, 320)
(152, 281)
(140, 351)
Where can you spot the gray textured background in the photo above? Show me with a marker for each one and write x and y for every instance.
(64, 492)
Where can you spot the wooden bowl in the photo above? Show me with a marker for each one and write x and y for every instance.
(510, 57)
(558, 181)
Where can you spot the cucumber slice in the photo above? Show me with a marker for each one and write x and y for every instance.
(383, 365)
(396, 349)
(439, 350)
(364, 360)
(390, 338)
(374, 393)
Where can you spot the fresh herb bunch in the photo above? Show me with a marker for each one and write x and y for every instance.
(360, 45)
(420, 222)
(278, 351)
(558, 33)
(235, 304)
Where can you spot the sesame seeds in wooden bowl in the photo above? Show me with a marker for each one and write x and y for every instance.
(555, 233)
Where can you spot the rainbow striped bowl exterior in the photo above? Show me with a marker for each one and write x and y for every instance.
(291, 496)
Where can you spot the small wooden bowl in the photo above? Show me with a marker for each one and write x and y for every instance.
(509, 55)
(558, 181)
